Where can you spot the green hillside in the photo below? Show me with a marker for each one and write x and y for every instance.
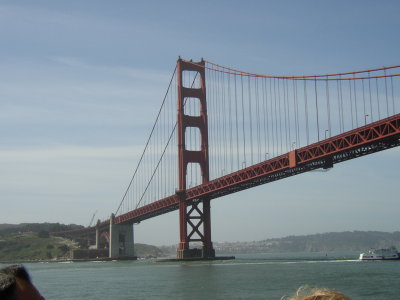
(34, 247)
(33, 242)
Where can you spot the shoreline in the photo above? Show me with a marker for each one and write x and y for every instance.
(23, 261)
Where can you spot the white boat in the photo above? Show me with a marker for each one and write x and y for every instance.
(381, 254)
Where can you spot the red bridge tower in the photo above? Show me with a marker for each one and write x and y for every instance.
(191, 215)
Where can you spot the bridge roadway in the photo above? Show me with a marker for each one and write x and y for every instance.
(374, 137)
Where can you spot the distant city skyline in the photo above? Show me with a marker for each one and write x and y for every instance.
(81, 84)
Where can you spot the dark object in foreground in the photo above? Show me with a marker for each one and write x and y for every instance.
(16, 284)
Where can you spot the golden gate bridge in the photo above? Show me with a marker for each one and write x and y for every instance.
(220, 130)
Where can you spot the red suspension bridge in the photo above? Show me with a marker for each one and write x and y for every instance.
(220, 130)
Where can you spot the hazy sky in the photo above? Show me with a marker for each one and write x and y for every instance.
(81, 83)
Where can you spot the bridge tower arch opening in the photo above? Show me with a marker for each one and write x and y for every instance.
(194, 216)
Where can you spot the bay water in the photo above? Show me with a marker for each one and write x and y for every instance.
(249, 276)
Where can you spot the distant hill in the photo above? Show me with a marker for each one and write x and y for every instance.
(7, 229)
(322, 242)
(33, 242)
(148, 251)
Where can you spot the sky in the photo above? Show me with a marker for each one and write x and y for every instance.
(81, 83)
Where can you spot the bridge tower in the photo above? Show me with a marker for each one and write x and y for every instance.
(194, 219)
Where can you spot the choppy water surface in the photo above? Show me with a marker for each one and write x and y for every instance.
(261, 276)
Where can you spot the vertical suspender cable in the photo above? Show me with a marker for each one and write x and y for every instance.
(268, 108)
(391, 82)
(237, 126)
(338, 105)
(285, 109)
(316, 106)
(273, 116)
(276, 140)
(230, 123)
(351, 107)
(214, 123)
(258, 118)
(306, 112)
(223, 125)
(219, 133)
(244, 135)
(364, 106)
(328, 107)
(265, 113)
(370, 97)
(280, 118)
(296, 105)
(355, 99)
(341, 105)
(386, 93)
(377, 98)
(250, 122)
(288, 112)
(147, 143)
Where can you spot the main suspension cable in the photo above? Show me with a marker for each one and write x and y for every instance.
(148, 141)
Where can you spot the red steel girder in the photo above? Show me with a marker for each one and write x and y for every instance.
(367, 139)
(351, 140)
(150, 210)
(373, 132)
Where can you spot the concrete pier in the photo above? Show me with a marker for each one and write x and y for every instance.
(203, 253)
(98, 234)
(121, 240)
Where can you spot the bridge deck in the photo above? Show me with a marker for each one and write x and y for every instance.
(374, 137)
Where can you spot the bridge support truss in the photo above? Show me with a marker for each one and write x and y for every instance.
(192, 215)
